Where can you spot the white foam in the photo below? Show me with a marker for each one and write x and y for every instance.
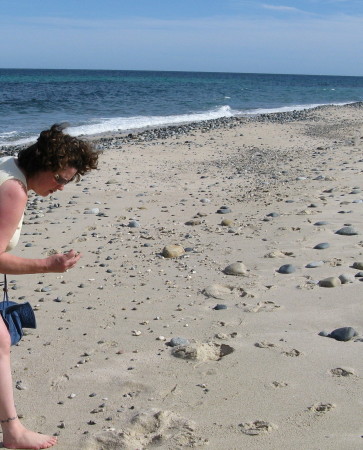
(122, 124)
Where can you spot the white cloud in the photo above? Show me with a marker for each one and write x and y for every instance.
(282, 8)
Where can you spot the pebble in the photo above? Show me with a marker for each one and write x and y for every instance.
(92, 211)
(205, 200)
(321, 223)
(358, 275)
(346, 278)
(227, 223)
(287, 268)
(220, 306)
(343, 334)
(174, 342)
(330, 282)
(322, 246)
(173, 251)
(237, 268)
(347, 231)
(273, 214)
(134, 224)
(46, 289)
(324, 333)
(224, 210)
(193, 222)
(314, 264)
(358, 265)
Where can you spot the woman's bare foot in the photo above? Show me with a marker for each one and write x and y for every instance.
(21, 438)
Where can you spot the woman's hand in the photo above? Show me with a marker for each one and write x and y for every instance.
(61, 262)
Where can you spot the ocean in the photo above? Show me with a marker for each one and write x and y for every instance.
(101, 101)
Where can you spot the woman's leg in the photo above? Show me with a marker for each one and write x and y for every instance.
(14, 434)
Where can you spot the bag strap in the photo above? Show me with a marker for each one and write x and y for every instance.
(5, 289)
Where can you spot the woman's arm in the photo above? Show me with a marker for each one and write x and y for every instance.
(13, 198)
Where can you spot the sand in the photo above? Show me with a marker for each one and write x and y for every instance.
(100, 371)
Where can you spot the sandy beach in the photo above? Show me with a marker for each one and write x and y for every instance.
(216, 347)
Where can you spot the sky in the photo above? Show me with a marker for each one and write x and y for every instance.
(323, 37)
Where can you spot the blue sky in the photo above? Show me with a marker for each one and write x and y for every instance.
(281, 36)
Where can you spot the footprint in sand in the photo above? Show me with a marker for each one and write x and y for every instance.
(292, 352)
(321, 408)
(208, 351)
(153, 428)
(343, 372)
(266, 306)
(257, 427)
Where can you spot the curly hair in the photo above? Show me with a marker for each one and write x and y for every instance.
(55, 151)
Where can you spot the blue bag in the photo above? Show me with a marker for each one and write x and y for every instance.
(16, 316)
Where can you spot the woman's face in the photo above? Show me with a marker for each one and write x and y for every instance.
(47, 182)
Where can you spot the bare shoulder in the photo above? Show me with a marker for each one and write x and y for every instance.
(13, 193)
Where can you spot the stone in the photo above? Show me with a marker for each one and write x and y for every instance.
(321, 223)
(324, 333)
(133, 224)
(314, 264)
(175, 342)
(330, 282)
(322, 246)
(219, 306)
(287, 268)
(346, 278)
(358, 265)
(343, 334)
(227, 223)
(173, 251)
(224, 210)
(92, 211)
(237, 269)
(193, 222)
(347, 231)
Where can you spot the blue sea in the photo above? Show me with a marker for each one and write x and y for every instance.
(98, 101)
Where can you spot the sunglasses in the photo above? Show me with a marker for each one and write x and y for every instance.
(60, 180)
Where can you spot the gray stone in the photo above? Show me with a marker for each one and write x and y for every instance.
(92, 211)
(314, 264)
(219, 306)
(324, 333)
(322, 246)
(321, 223)
(346, 278)
(358, 265)
(287, 268)
(343, 334)
(134, 224)
(347, 231)
(174, 342)
(224, 210)
(237, 268)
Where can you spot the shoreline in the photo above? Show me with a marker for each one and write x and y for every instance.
(115, 138)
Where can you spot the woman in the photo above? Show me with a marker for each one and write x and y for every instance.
(45, 167)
